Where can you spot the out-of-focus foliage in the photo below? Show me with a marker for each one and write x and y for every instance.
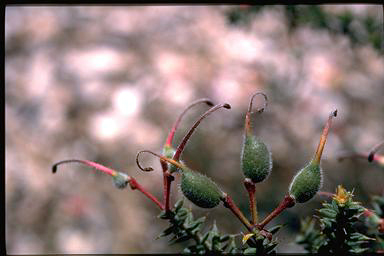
(103, 82)
(361, 30)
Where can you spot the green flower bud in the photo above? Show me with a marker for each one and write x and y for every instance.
(121, 180)
(256, 159)
(200, 189)
(307, 182)
(169, 152)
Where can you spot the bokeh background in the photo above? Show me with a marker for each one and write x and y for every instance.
(103, 82)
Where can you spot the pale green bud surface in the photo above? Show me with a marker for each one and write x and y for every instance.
(120, 180)
(169, 152)
(256, 160)
(200, 189)
(306, 183)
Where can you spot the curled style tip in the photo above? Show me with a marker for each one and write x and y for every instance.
(148, 169)
(265, 102)
(177, 122)
(248, 125)
(183, 143)
(97, 166)
(374, 150)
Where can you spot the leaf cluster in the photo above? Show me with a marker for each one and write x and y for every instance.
(338, 232)
(184, 227)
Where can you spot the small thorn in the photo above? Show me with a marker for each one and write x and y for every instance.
(227, 106)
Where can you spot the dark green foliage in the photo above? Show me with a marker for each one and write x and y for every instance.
(200, 189)
(256, 161)
(184, 228)
(306, 183)
(337, 232)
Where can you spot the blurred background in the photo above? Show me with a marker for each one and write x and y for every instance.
(102, 83)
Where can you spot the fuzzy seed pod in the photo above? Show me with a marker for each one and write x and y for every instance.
(256, 159)
(200, 189)
(307, 182)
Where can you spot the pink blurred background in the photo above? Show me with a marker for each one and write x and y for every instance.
(103, 82)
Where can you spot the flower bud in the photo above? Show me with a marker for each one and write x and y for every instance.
(256, 159)
(169, 152)
(120, 180)
(200, 189)
(307, 182)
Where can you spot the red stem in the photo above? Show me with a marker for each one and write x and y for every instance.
(251, 188)
(97, 166)
(228, 203)
(177, 122)
(135, 185)
(183, 143)
(132, 181)
(168, 178)
(287, 202)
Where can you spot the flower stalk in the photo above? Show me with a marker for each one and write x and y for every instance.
(120, 179)
(167, 176)
(287, 202)
(251, 188)
(183, 143)
(228, 203)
